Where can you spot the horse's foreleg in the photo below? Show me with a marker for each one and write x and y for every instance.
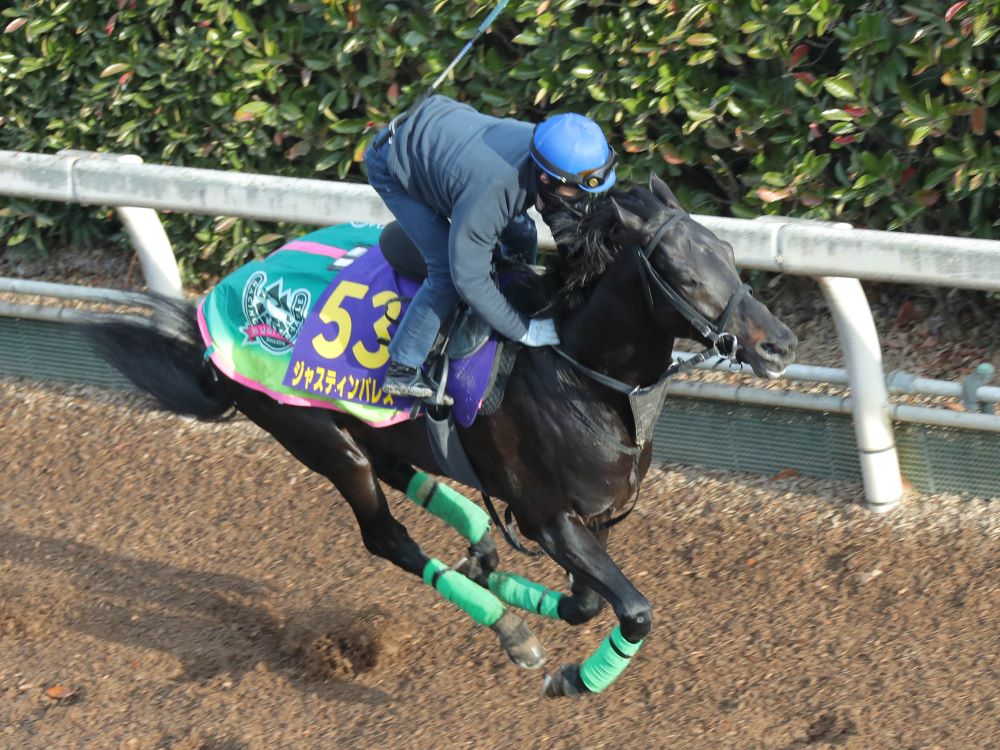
(576, 609)
(516, 639)
(462, 587)
(580, 606)
(467, 518)
(575, 548)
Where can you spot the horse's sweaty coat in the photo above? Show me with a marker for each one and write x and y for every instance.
(308, 326)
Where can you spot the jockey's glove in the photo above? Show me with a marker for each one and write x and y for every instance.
(541, 332)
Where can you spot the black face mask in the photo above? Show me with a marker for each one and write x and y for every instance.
(563, 215)
(558, 208)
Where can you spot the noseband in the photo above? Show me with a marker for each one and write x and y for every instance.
(722, 343)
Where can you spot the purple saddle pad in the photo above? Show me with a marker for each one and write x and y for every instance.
(348, 326)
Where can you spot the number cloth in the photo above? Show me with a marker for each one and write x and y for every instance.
(309, 326)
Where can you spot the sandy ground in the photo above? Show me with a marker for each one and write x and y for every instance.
(169, 584)
(189, 586)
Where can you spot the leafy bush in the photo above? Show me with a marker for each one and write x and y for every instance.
(880, 114)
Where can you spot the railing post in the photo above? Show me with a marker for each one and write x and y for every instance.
(156, 256)
(869, 401)
(869, 396)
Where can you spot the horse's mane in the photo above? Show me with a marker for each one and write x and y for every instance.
(586, 248)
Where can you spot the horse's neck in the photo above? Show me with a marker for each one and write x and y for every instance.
(613, 332)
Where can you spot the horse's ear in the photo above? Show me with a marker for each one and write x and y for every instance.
(628, 219)
(659, 188)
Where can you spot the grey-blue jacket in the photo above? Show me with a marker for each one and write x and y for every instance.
(476, 170)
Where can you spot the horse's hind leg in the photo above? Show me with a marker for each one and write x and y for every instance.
(311, 436)
(467, 518)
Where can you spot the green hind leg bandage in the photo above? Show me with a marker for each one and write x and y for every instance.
(525, 594)
(606, 664)
(467, 518)
(470, 597)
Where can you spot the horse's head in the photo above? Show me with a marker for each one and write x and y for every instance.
(692, 286)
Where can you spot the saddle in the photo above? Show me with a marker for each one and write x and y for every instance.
(464, 333)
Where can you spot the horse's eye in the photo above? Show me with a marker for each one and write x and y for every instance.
(687, 282)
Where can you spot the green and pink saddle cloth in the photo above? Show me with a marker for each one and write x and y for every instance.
(309, 324)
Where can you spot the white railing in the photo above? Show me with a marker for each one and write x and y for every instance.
(793, 246)
(837, 255)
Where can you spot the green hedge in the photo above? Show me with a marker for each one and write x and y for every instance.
(881, 114)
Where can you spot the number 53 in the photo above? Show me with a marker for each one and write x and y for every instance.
(332, 312)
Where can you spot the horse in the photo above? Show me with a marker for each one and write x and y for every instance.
(566, 450)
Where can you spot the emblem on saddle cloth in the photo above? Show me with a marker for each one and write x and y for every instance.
(310, 326)
(273, 315)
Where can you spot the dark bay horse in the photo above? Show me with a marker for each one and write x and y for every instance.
(568, 446)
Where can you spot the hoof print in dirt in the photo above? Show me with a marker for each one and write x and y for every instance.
(359, 643)
(834, 727)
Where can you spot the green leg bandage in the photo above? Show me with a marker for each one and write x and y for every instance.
(472, 598)
(607, 663)
(467, 518)
(525, 594)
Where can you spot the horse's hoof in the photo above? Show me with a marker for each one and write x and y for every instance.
(565, 683)
(521, 645)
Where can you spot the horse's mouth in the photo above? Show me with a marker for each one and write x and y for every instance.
(764, 365)
(771, 374)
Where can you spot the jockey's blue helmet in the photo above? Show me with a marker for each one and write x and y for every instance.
(572, 149)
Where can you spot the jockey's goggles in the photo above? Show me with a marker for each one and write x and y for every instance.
(588, 179)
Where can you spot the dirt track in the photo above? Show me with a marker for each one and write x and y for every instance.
(195, 589)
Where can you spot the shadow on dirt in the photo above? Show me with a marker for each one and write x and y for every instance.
(218, 626)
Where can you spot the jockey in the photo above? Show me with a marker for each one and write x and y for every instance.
(460, 182)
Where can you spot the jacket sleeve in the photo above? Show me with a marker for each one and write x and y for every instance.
(476, 225)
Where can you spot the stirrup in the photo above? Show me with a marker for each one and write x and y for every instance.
(440, 398)
(402, 393)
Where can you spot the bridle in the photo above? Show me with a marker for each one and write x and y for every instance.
(647, 401)
(721, 342)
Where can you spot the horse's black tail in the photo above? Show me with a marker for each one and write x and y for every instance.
(166, 361)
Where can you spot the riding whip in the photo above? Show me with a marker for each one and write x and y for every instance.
(487, 22)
